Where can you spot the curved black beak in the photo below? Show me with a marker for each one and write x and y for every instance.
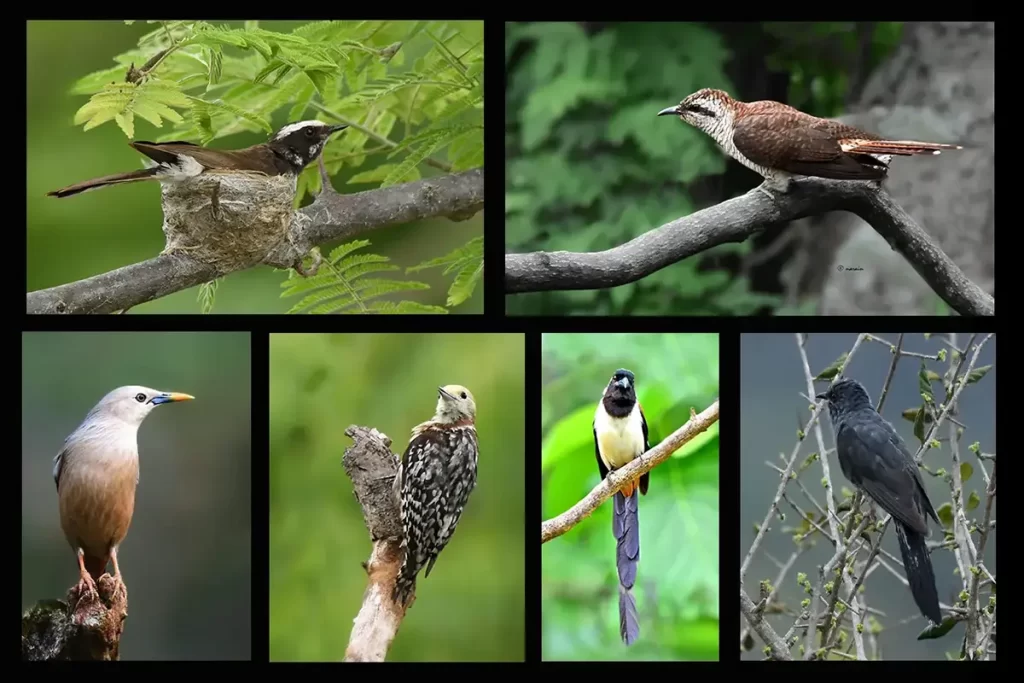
(822, 395)
(669, 110)
(334, 129)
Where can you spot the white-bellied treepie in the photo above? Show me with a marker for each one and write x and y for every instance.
(620, 435)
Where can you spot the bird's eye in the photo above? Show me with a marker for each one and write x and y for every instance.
(463, 394)
(141, 398)
(309, 132)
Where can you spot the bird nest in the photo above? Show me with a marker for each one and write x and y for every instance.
(228, 220)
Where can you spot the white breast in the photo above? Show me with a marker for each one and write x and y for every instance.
(619, 439)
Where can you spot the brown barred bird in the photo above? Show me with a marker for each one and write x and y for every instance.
(620, 435)
(435, 478)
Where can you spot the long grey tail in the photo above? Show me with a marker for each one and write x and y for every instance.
(142, 174)
(920, 576)
(626, 527)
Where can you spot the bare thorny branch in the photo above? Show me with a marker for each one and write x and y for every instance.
(820, 613)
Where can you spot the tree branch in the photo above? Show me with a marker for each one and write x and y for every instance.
(53, 630)
(331, 216)
(614, 481)
(372, 467)
(738, 219)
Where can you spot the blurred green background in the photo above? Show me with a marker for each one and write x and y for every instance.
(471, 607)
(590, 165)
(677, 581)
(186, 559)
(89, 234)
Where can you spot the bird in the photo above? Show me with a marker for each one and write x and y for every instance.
(437, 473)
(874, 458)
(290, 150)
(96, 473)
(780, 142)
(620, 436)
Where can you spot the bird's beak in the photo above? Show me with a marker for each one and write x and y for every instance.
(624, 383)
(170, 397)
(822, 395)
(444, 394)
(669, 110)
(334, 129)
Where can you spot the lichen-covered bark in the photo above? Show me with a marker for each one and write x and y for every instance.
(80, 629)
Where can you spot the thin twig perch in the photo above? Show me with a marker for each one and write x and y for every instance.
(645, 463)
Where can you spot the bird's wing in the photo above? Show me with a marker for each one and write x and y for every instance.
(58, 466)
(597, 452)
(425, 490)
(790, 143)
(645, 477)
(879, 465)
(167, 152)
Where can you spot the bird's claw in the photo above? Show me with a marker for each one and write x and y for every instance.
(86, 588)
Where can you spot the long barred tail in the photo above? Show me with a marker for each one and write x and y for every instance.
(920, 576)
(898, 147)
(626, 527)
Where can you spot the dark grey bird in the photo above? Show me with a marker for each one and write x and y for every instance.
(875, 459)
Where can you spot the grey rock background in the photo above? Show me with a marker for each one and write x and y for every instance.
(938, 86)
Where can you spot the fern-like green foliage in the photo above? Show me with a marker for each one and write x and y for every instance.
(589, 165)
(207, 294)
(410, 91)
(212, 81)
(339, 285)
(467, 262)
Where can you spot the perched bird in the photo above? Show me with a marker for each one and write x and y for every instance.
(875, 459)
(96, 473)
(290, 150)
(435, 478)
(778, 141)
(620, 435)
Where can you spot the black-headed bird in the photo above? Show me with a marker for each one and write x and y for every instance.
(620, 435)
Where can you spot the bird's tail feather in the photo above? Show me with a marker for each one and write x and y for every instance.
(405, 582)
(629, 624)
(142, 174)
(897, 147)
(626, 528)
(920, 576)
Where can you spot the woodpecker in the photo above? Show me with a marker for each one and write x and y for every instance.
(778, 141)
(435, 478)
(620, 435)
(289, 151)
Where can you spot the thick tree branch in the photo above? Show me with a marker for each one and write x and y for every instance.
(614, 481)
(332, 216)
(738, 219)
(82, 629)
(372, 467)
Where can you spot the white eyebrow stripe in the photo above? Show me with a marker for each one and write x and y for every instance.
(292, 127)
